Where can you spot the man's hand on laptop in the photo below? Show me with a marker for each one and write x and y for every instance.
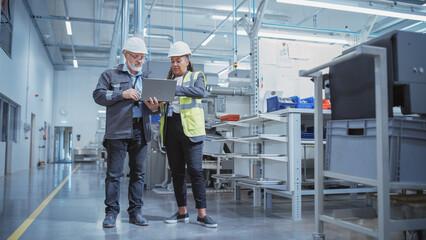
(153, 104)
(131, 94)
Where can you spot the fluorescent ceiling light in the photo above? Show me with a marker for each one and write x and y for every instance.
(297, 37)
(208, 40)
(421, 30)
(413, 25)
(229, 8)
(68, 26)
(219, 17)
(75, 63)
(365, 10)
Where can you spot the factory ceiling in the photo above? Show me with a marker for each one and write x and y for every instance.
(98, 28)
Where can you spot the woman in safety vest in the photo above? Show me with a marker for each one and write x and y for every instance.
(183, 133)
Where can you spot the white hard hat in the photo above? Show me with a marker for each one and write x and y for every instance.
(135, 45)
(179, 49)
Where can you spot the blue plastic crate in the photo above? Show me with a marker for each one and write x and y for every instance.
(274, 104)
(303, 103)
(307, 135)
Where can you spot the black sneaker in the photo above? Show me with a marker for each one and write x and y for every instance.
(177, 217)
(207, 222)
(109, 221)
(139, 219)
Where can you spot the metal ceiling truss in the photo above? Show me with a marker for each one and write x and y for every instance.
(53, 50)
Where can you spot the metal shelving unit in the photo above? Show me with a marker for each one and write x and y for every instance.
(385, 225)
(289, 121)
(268, 138)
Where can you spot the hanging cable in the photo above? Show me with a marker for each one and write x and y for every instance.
(149, 37)
(182, 20)
(234, 28)
(174, 18)
(254, 5)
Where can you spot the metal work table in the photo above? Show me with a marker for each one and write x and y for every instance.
(384, 224)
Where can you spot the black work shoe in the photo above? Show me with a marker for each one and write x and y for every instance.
(139, 219)
(177, 217)
(207, 221)
(109, 221)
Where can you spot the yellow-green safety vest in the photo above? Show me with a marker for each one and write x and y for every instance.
(191, 110)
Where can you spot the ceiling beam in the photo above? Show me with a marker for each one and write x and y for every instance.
(98, 12)
(40, 35)
(80, 47)
(218, 26)
(72, 19)
(115, 34)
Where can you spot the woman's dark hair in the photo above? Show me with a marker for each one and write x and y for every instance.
(190, 67)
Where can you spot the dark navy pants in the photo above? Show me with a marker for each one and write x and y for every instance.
(117, 150)
(180, 152)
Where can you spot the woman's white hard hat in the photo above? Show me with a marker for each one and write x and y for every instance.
(179, 49)
(135, 45)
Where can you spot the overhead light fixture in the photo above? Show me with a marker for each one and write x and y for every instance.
(219, 17)
(419, 16)
(75, 63)
(298, 37)
(68, 26)
(208, 40)
(230, 8)
(412, 25)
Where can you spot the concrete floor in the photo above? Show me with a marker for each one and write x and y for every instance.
(77, 211)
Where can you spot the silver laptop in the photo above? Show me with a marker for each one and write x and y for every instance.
(163, 90)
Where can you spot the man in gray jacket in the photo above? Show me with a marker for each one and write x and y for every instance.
(127, 130)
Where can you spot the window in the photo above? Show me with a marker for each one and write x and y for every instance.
(5, 122)
(13, 126)
(9, 119)
(1, 120)
(6, 27)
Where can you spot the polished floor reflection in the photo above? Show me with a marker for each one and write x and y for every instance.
(77, 211)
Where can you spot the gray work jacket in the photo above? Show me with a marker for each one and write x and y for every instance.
(119, 111)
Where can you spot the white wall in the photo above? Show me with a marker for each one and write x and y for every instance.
(73, 90)
(279, 66)
(29, 66)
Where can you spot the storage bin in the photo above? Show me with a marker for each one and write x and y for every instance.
(351, 149)
(303, 103)
(326, 104)
(307, 135)
(230, 117)
(274, 103)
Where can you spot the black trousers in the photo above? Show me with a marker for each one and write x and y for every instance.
(180, 152)
(117, 150)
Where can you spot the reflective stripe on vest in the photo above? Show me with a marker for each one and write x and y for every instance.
(192, 112)
(193, 104)
(191, 109)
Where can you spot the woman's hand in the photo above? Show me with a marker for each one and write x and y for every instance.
(153, 104)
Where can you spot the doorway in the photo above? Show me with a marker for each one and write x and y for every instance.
(32, 140)
(63, 144)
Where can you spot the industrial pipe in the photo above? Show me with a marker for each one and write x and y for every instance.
(217, 90)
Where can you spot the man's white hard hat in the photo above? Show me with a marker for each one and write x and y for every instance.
(135, 45)
(179, 49)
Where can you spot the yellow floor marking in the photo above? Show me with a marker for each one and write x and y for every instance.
(21, 229)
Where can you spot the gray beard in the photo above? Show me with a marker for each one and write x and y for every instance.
(136, 69)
